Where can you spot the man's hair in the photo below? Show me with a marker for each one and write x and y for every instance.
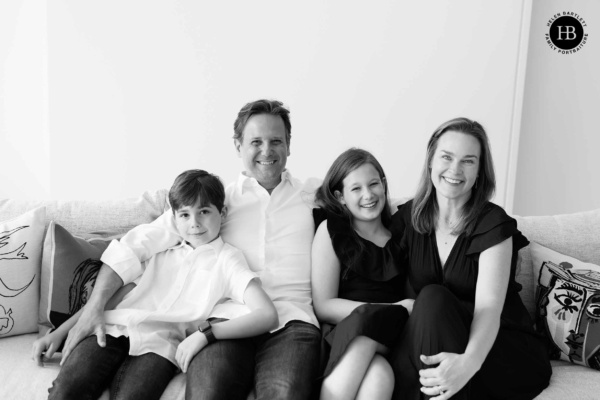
(271, 107)
(196, 185)
(425, 208)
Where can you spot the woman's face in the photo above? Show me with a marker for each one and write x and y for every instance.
(363, 193)
(455, 165)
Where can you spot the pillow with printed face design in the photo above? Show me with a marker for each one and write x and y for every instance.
(568, 305)
(69, 268)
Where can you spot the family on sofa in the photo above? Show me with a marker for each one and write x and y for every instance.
(414, 302)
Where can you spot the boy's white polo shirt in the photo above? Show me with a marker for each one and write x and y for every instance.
(176, 289)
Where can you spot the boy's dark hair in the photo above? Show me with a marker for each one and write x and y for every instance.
(271, 107)
(196, 184)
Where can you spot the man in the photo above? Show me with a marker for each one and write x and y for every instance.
(270, 220)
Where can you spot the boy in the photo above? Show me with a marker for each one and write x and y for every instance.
(176, 291)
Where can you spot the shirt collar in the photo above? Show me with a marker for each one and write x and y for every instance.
(216, 245)
(244, 181)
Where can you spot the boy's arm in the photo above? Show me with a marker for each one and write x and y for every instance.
(262, 318)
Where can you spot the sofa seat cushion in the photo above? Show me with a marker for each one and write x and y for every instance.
(573, 382)
(22, 379)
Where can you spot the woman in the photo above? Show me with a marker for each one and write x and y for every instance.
(469, 335)
(354, 263)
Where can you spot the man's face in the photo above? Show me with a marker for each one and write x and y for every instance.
(264, 149)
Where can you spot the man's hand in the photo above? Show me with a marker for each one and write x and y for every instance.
(44, 348)
(189, 348)
(91, 322)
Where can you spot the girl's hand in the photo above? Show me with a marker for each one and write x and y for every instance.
(450, 376)
(189, 348)
(407, 303)
(44, 348)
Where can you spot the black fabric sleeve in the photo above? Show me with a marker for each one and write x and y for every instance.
(495, 226)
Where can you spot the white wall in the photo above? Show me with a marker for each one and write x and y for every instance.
(24, 137)
(140, 90)
(559, 157)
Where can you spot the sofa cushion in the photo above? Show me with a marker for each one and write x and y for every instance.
(20, 259)
(69, 268)
(105, 218)
(568, 298)
(573, 234)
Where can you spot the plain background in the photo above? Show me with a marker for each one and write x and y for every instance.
(104, 100)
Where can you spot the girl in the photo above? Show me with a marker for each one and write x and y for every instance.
(356, 278)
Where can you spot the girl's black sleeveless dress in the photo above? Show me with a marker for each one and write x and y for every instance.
(377, 276)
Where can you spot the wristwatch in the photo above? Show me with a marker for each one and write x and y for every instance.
(206, 328)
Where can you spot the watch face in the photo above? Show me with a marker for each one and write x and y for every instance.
(204, 326)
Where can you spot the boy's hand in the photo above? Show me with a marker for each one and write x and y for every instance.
(189, 348)
(44, 348)
(90, 323)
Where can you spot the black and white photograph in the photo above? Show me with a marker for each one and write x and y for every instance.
(311, 200)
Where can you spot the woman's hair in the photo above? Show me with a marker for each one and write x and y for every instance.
(425, 208)
(326, 198)
(193, 185)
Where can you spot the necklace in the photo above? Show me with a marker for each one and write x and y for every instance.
(446, 232)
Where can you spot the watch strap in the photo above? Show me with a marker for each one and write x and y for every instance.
(206, 329)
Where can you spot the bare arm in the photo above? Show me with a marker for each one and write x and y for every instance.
(91, 320)
(261, 318)
(455, 370)
(325, 276)
(48, 344)
(44, 347)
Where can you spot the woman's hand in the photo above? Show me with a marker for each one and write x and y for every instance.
(450, 376)
(44, 347)
(406, 303)
(189, 348)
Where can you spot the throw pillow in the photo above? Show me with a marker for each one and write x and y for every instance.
(20, 257)
(69, 268)
(568, 305)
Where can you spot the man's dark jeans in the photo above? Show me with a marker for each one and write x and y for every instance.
(281, 365)
(91, 368)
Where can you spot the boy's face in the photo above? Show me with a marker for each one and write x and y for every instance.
(199, 225)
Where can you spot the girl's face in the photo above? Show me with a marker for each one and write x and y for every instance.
(455, 165)
(363, 193)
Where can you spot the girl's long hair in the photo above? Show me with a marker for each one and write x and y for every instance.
(425, 207)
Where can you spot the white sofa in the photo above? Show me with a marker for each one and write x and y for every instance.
(577, 235)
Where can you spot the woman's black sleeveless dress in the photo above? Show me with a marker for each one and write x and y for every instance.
(517, 367)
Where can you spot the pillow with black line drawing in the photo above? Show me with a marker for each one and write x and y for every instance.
(568, 305)
(20, 259)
